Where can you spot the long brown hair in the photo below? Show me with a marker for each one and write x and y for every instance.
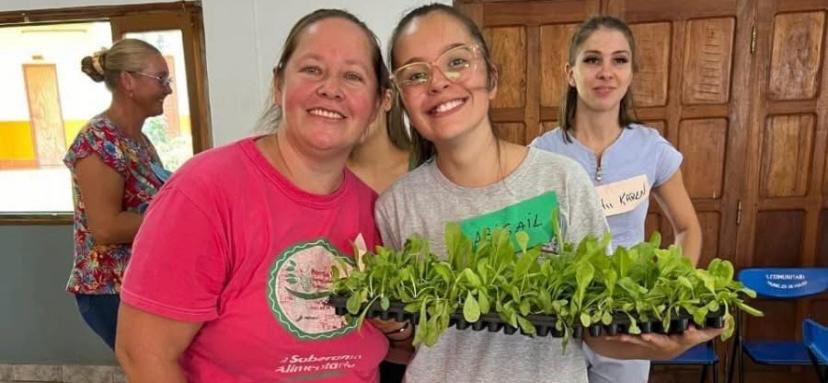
(569, 100)
(421, 148)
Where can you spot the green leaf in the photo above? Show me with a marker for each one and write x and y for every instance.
(353, 304)
(606, 319)
(522, 239)
(385, 303)
(473, 279)
(526, 325)
(750, 310)
(585, 320)
(483, 300)
(634, 330)
(524, 307)
(471, 309)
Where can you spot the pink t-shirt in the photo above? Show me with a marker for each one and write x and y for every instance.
(232, 243)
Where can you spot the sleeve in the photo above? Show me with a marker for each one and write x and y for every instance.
(91, 140)
(584, 213)
(179, 263)
(385, 218)
(669, 161)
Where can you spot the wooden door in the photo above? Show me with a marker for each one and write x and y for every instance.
(785, 204)
(527, 40)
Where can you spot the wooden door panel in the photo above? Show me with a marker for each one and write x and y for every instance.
(528, 41)
(43, 96)
(795, 56)
(786, 155)
(702, 142)
(779, 238)
(653, 45)
(711, 226)
(548, 125)
(510, 131)
(781, 313)
(508, 50)
(708, 60)
(554, 40)
(822, 238)
(659, 125)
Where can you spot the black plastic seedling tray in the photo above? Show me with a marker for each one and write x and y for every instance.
(544, 324)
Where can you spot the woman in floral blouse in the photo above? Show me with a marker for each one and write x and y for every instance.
(115, 172)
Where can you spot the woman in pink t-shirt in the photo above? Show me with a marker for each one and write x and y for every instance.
(230, 269)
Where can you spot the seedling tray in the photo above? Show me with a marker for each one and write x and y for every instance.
(544, 324)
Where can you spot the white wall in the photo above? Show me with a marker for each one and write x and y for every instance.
(243, 41)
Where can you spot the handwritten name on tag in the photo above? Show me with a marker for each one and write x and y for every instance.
(625, 195)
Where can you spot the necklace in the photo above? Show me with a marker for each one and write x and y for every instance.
(599, 172)
(280, 158)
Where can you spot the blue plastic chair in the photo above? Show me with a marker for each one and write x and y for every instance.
(701, 355)
(815, 337)
(776, 283)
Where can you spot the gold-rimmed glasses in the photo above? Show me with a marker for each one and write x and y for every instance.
(455, 64)
(163, 81)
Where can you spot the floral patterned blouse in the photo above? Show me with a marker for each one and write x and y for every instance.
(99, 269)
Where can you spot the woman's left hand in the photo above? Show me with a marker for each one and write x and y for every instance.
(390, 327)
(651, 346)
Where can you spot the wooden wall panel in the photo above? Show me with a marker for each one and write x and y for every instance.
(653, 44)
(795, 58)
(508, 49)
(822, 240)
(781, 313)
(825, 181)
(819, 309)
(707, 61)
(786, 155)
(779, 238)
(710, 225)
(554, 40)
(548, 125)
(659, 125)
(510, 131)
(703, 144)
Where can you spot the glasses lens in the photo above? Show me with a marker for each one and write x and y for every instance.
(412, 74)
(456, 63)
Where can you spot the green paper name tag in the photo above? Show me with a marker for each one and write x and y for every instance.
(534, 216)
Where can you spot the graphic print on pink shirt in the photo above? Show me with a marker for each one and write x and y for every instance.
(298, 291)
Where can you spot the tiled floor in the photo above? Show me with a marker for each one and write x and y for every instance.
(14, 373)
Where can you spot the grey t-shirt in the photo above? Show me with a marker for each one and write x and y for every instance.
(425, 200)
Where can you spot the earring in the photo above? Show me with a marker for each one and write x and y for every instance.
(131, 94)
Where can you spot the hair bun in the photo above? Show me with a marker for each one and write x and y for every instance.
(95, 66)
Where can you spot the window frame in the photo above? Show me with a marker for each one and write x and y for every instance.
(185, 16)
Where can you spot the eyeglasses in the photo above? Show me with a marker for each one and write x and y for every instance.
(163, 81)
(455, 64)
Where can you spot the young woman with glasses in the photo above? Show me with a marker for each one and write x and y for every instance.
(441, 66)
(115, 173)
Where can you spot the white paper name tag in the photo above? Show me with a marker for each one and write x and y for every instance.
(623, 196)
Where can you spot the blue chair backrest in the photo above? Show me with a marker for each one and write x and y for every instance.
(815, 337)
(785, 283)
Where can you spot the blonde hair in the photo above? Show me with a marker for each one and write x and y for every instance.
(127, 55)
